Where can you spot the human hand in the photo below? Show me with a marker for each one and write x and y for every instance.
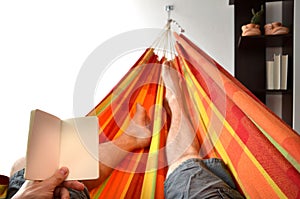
(53, 187)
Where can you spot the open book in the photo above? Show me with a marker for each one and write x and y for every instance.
(53, 143)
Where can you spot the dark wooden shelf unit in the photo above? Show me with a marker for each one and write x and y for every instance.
(250, 52)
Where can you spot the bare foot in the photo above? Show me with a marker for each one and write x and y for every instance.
(182, 142)
(111, 153)
(174, 99)
(172, 81)
(138, 133)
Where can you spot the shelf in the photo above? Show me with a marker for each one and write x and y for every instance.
(265, 41)
(274, 92)
(231, 2)
(279, 92)
(251, 53)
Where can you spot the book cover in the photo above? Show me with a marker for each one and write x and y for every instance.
(277, 71)
(270, 75)
(53, 143)
(284, 72)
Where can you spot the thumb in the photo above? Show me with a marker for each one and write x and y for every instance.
(58, 177)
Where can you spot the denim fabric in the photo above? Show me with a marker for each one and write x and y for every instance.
(197, 178)
(218, 167)
(17, 180)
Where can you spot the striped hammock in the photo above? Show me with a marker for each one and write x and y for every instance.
(260, 150)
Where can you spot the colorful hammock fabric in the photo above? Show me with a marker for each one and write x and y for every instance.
(261, 151)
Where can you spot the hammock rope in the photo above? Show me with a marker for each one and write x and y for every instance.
(261, 151)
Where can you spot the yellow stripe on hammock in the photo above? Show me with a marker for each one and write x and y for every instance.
(215, 137)
(149, 184)
(130, 80)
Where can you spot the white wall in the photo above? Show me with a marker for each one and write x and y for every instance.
(208, 23)
(43, 45)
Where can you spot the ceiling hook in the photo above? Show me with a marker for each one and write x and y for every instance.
(169, 8)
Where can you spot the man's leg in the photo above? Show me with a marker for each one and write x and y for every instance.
(111, 153)
(182, 143)
(188, 176)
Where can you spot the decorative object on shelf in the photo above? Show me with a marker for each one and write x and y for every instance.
(275, 28)
(252, 28)
(257, 15)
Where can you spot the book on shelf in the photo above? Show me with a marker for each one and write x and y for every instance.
(53, 143)
(270, 74)
(277, 72)
(284, 72)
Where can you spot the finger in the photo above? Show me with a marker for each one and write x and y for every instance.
(56, 192)
(58, 177)
(74, 184)
(64, 193)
